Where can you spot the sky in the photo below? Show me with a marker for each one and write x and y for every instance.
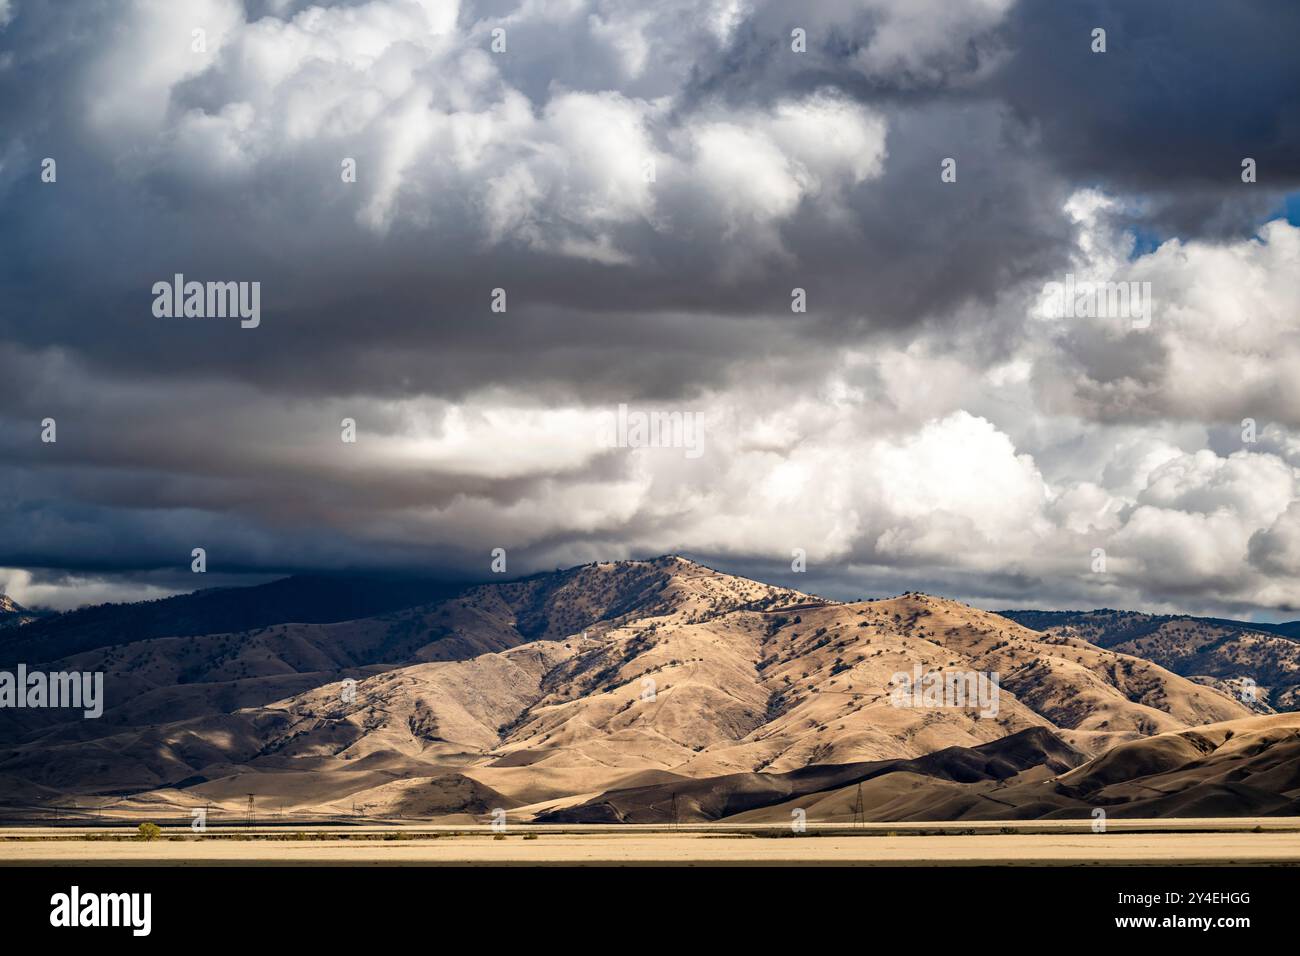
(499, 236)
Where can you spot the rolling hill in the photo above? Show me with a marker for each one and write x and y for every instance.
(546, 695)
(1230, 655)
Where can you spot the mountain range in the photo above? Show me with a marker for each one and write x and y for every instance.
(644, 691)
(13, 614)
(1231, 655)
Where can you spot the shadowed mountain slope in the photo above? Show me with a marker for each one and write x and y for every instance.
(310, 599)
(550, 692)
(1257, 663)
(716, 798)
(13, 614)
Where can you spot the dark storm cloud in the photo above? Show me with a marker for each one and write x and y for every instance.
(354, 308)
(776, 170)
(1182, 94)
(350, 309)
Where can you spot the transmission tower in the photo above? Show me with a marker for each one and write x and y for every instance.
(859, 817)
(252, 813)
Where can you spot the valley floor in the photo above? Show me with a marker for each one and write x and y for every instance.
(1240, 842)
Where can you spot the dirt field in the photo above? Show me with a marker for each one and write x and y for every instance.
(1155, 843)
